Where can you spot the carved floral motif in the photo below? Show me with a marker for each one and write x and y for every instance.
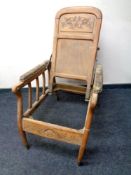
(50, 133)
(77, 22)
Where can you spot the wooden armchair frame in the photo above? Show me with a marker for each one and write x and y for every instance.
(91, 91)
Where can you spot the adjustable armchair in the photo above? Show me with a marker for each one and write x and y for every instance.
(74, 53)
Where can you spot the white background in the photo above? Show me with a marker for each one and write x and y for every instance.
(26, 33)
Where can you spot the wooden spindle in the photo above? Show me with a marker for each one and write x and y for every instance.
(48, 77)
(43, 80)
(29, 96)
(37, 89)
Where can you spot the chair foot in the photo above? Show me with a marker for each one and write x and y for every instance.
(27, 147)
(81, 154)
(79, 163)
(57, 97)
(24, 139)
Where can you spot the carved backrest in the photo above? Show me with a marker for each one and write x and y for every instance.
(75, 43)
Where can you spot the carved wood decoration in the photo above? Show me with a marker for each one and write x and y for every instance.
(53, 131)
(77, 23)
(74, 52)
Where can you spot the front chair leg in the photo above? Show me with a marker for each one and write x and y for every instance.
(24, 139)
(83, 146)
(19, 119)
(89, 116)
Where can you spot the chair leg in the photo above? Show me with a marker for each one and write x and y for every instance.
(57, 96)
(52, 81)
(22, 133)
(89, 116)
(19, 119)
(80, 155)
(24, 139)
(83, 147)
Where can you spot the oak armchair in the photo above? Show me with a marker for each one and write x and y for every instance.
(75, 46)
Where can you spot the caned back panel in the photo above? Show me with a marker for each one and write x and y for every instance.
(75, 42)
(72, 57)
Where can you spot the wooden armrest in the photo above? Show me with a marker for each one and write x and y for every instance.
(98, 80)
(30, 76)
(35, 72)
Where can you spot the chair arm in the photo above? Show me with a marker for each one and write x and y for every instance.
(98, 80)
(31, 75)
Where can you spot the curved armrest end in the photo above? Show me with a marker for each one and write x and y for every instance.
(94, 98)
(17, 87)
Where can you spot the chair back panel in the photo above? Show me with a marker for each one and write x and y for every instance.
(75, 42)
(72, 57)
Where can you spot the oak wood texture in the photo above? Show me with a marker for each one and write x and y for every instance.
(75, 45)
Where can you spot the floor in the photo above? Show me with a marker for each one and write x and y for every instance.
(108, 149)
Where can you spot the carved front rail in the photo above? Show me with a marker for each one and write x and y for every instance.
(26, 79)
